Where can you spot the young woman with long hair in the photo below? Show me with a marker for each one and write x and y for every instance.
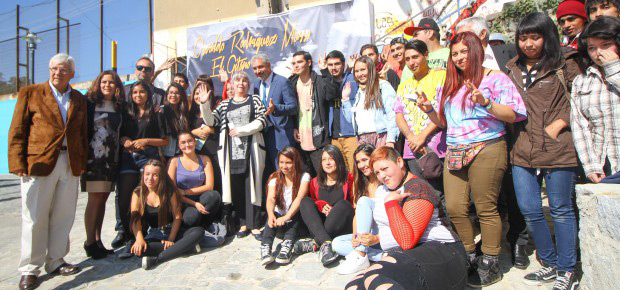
(542, 146)
(328, 211)
(475, 103)
(428, 254)
(192, 174)
(106, 103)
(142, 132)
(176, 113)
(371, 235)
(372, 115)
(285, 189)
(156, 219)
(594, 94)
(207, 138)
(241, 119)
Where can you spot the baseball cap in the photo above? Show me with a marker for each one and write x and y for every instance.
(425, 23)
(497, 36)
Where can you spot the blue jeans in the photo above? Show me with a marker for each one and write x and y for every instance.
(364, 224)
(560, 184)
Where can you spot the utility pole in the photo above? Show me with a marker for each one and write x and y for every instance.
(151, 26)
(58, 26)
(100, 35)
(113, 54)
(18, 28)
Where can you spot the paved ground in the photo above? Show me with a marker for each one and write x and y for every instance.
(232, 266)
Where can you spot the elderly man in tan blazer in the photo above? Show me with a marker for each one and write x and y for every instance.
(47, 149)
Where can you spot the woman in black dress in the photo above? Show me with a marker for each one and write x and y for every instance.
(106, 102)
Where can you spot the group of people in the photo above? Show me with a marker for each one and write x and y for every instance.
(359, 159)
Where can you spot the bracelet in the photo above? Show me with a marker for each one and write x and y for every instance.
(489, 105)
(429, 111)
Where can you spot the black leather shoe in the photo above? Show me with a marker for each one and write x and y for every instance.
(522, 261)
(119, 240)
(28, 282)
(66, 269)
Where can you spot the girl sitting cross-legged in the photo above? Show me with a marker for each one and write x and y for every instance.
(285, 190)
(156, 219)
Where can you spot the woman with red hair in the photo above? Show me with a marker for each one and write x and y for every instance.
(429, 254)
(475, 103)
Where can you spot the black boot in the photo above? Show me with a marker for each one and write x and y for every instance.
(487, 273)
(521, 260)
(103, 248)
(93, 251)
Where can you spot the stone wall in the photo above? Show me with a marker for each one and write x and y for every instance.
(599, 235)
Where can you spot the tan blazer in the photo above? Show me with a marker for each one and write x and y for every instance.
(37, 132)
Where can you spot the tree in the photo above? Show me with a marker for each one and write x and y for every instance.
(506, 23)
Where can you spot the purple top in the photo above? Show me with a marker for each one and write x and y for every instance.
(189, 179)
(474, 123)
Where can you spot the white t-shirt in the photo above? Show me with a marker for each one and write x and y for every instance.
(288, 193)
(364, 118)
(386, 239)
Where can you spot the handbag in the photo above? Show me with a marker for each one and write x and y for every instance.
(430, 164)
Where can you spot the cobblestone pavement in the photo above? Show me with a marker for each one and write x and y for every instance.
(232, 266)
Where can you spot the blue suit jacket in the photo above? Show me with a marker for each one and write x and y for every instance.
(282, 121)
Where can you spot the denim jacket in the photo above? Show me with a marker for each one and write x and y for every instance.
(385, 118)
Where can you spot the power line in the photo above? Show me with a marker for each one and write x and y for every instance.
(93, 23)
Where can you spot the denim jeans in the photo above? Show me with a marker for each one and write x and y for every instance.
(364, 224)
(560, 184)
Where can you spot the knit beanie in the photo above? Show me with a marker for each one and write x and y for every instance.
(571, 7)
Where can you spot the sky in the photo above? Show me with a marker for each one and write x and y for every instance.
(123, 21)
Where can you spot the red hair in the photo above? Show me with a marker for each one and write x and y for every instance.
(455, 78)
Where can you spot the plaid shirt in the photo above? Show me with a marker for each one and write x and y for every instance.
(595, 118)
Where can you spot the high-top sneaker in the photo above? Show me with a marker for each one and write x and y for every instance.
(566, 281)
(286, 251)
(487, 273)
(266, 257)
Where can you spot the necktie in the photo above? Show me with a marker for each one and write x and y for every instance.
(263, 92)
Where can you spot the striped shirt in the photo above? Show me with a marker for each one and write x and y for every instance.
(474, 123)
(595, 118)
(219, 114)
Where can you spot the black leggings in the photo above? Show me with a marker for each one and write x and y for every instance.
(431, 265)
(211, 200)
(324, 228)
(127, 183)
(185, 241)
(246, 213)
(290, 229)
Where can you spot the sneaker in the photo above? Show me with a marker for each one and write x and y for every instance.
(545, 274)
(353, 263)
(286, 251)
(148, 262)
(487, 273)
(304, 246)
(326, 254)
(566, 281)
(125, 253)
(265, 254)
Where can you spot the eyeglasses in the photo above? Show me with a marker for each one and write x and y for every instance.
(62, 71)
(144, 68)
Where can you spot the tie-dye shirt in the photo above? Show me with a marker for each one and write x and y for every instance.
(475, 123)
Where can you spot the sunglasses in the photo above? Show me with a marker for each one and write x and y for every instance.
(144, 68)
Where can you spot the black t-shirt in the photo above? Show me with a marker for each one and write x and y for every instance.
(336, 116)
(158, 94)
(331, 193)
(153, 127)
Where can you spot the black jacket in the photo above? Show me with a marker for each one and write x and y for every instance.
(324, 90)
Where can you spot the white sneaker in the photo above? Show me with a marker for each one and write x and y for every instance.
(353, 263)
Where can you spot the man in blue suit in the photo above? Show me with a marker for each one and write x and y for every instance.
(277, 95)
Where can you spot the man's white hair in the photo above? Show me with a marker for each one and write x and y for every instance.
(477, 24)
(260, 56)
(63, 58)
